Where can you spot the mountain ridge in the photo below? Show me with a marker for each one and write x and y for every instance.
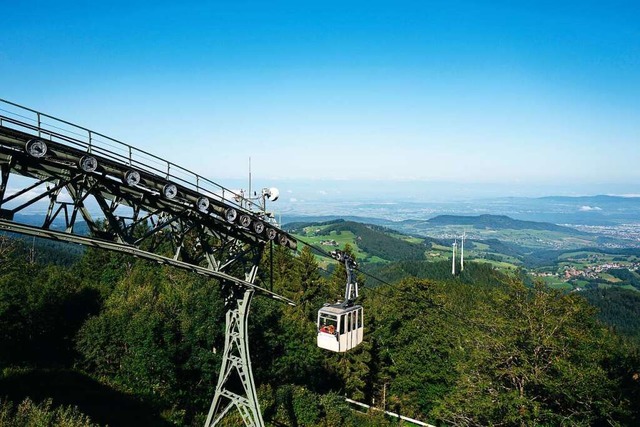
(500, 222)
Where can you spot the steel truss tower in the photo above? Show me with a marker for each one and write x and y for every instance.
(149, 208)
(235, 387)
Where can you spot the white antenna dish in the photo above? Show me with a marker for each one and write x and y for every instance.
(271, 193)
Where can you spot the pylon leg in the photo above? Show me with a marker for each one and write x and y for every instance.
(236, 386)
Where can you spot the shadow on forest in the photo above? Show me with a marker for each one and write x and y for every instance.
(101, 403)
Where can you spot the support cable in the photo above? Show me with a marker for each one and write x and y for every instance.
(329, 256)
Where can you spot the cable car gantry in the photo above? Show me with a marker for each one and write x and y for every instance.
(341, 325)
(149, 208)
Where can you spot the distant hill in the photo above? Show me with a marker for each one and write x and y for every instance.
(373, 241)
(505, 248)
(378, 241)
(500, 222)
(592, 199)
(299, 226)
(291, 220)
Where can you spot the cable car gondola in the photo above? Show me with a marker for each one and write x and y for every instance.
(340, 326)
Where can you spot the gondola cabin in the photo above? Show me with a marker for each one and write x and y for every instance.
(340, 328)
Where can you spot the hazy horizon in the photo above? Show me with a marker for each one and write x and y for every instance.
(297, 191)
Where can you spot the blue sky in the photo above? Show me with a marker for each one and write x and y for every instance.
(522, 95)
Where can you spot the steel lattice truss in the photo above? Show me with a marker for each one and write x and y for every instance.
(164, 213)
(102, 193)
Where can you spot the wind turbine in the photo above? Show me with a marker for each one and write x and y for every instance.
(453, 260)
(462, 251)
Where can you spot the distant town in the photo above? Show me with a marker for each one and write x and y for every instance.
(588, 272)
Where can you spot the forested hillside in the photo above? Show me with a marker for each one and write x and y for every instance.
(478, 273)
(115, 332)
(617, 307)
(377, 242)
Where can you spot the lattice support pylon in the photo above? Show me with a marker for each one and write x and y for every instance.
(236, 387)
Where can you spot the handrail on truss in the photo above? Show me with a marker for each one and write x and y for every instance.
(96, 142)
